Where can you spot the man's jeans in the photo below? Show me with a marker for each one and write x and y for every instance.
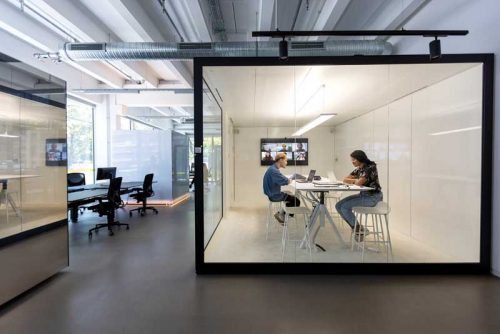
(344, 206)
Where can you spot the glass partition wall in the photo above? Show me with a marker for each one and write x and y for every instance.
(33, 154)
(417, 201)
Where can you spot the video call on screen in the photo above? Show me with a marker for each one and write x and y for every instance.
(297, 150)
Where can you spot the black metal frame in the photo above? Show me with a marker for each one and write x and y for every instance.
(481, 267)
(402, 32)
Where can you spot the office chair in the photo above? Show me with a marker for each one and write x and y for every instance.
(76, 179)
(143, 194)
(107, 207)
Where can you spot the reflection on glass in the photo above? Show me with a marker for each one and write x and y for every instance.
(418, 202)
(212, 163)
(32, 148)
(33, 190)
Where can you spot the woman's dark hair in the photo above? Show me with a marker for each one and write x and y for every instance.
(361, 157)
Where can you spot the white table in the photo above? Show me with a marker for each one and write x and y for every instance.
(320, 210)
(5, 197)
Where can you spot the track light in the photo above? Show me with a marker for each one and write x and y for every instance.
(283, 49)
(435, 49)
(434, 46)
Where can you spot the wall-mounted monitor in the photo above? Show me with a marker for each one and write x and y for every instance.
(56, 153)
(296, 149)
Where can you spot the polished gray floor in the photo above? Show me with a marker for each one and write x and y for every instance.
(143, 281)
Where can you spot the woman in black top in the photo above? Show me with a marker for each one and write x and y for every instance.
(366, 175)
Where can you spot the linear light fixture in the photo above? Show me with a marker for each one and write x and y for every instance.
(455, 131)
(6, 135)
(312, 124)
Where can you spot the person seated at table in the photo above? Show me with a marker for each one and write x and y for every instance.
(272, 182)
(365, 174)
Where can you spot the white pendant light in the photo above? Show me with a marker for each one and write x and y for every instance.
(312, 124)
(6, 135)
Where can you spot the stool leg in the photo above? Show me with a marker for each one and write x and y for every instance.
(284, 238)
(381, 232)
(376, 231)
(388, 237)
(306, 233)
(353, 232)
(364, 239)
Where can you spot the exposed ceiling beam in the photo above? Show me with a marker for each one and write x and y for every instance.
(18, 49)
(265, 16)
(394, 16)
(135, 17)
(189, 16)
(79, 22)
(32, 32)
(155, 99)
(330, 15)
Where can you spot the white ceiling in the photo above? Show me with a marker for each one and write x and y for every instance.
(293, 96)
(43, 26)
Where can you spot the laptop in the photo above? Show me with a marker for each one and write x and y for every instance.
(309, 179)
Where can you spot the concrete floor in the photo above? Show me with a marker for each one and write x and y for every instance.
(143, 281)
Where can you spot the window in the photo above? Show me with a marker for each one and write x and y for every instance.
(81, 139)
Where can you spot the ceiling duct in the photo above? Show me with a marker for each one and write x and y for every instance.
(187, 51)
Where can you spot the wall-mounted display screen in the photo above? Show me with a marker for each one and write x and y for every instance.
(296, 149)
(56, 153)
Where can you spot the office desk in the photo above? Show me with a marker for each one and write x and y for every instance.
(125, 185)
(81, 195)
(320, 211)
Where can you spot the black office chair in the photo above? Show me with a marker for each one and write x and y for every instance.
(76, 179)
(108, 206)
(143, 194)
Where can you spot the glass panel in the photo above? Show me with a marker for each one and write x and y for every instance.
(397, 162)
(10, 165)
(81, 140)
(33, 154)
(212, 162)
(43, 185)
(180, 164)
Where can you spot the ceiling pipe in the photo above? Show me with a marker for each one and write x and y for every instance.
(187, 51)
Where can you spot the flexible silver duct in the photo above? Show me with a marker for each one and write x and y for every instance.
(186, 51)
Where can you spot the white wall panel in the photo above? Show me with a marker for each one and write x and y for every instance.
(481, 19)
(446, 168)
(432, 182)
(356, 134)
(379, 152)
(399, 190)
(248, 172)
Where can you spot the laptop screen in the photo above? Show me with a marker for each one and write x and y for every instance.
(311, 175)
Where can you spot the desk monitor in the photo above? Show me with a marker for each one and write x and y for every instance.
(106, 173)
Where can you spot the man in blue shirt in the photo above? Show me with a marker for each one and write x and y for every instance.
(272, 182)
